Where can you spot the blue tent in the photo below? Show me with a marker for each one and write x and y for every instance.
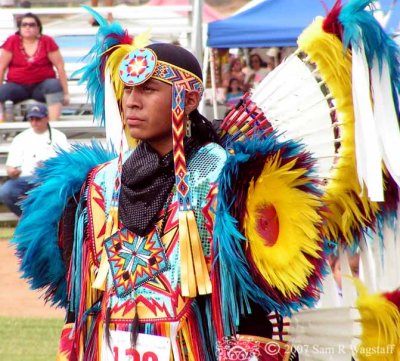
(270, 23)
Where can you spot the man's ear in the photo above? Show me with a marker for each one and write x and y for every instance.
(192, 100)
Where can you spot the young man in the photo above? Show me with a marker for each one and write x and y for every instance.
(136, 242)
(28, 149)
(150, 285)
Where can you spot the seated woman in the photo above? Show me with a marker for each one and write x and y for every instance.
(235, 71)
(29, 58)
(234, 93)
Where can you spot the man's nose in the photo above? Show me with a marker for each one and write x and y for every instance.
(134, 97)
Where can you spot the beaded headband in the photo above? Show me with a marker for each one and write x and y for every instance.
(142, 64)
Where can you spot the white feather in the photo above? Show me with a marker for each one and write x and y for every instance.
(368, 274)
(368, 153)
(292, 100)
(325, 334)
(114, 128)
(386, 118)
(330, 295)
(385, 257)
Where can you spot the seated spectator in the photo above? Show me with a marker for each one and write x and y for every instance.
(27, 150)
(29, 58)
(235, 71)
(234, 93)
(257, 72)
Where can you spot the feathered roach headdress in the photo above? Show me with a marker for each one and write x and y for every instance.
(117, 61)
(111, 45)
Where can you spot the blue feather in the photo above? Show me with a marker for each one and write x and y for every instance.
(36, 236)
(361, 26)
(108, 36)
(99, 18)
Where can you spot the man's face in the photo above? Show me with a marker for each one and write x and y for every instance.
(147, 111)
(39, 125)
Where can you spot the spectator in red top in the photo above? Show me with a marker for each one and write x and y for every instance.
(29, 58)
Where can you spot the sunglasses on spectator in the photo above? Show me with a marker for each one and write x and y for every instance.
(31, 25)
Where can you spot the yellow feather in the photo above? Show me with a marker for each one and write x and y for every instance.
(117, 55)
(349, 207)
(284, 264)
(380, 320)
(113, 63)
(142, 40)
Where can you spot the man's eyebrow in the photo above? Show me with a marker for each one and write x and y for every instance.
(152, 81)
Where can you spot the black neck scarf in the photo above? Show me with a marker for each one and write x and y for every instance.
(147, 180)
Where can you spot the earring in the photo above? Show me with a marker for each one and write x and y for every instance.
(188, 127)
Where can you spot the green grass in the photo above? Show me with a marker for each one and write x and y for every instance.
(29, 339)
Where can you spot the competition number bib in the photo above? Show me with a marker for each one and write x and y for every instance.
(148, 348)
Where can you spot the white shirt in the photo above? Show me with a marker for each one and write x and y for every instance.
(28, 149)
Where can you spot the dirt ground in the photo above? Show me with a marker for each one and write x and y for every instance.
(16, 299)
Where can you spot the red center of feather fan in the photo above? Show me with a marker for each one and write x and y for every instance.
(267, 224)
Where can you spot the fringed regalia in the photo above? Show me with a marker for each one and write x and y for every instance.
(143, 279)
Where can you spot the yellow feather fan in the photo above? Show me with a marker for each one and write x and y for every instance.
(280, 245)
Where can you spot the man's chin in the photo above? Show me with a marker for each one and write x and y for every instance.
(136, 133)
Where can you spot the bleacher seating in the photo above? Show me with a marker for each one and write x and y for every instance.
(168, 24)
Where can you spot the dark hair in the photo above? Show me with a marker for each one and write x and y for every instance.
(262, 62)
(231, 80)
(233, 62)
(202, 129)
(29, 15)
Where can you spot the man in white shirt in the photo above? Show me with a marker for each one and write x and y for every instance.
(28, 149)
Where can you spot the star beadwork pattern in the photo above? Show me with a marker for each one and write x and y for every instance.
(137, 66)
(134, 260)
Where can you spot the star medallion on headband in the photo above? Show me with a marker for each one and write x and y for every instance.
(138, 66)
